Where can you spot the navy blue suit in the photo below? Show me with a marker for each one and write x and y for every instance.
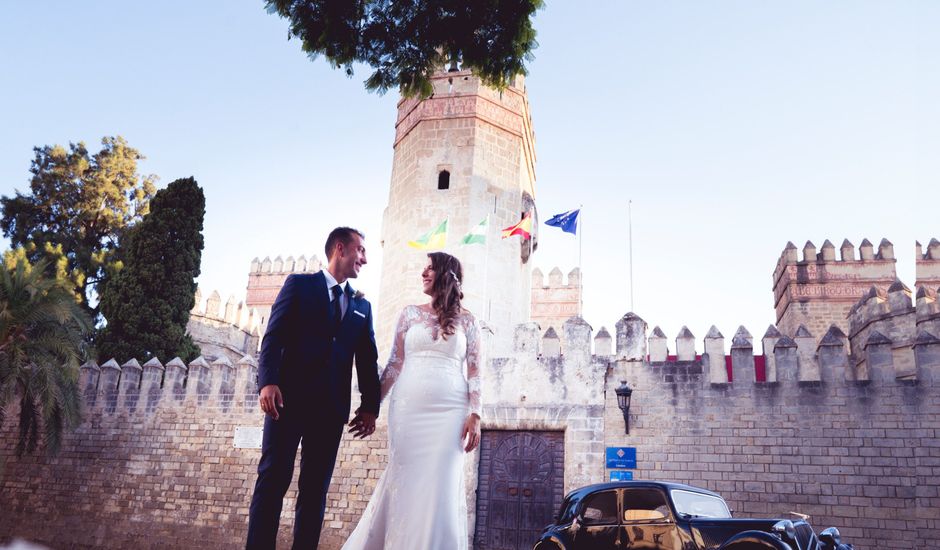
(309, 356)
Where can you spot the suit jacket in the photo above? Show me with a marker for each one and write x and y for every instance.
(309, 360)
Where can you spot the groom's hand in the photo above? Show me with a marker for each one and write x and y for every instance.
(270, 399)
(362, 425)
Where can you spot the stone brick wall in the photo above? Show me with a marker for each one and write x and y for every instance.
(154, 464)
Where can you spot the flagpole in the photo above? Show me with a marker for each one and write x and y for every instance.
(630, 234)
(580, 270)
(486, 271)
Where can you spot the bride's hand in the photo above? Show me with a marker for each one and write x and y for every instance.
(471, 432)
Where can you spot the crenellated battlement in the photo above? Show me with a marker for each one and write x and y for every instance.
(556, 279)
(833, 357)
(290, 265)
(827, 253)
(230, 330)
(800, 359)
(816, 288)
(267, 276)
(234, 313)
(555, 301)
(893, 327)
(143, 389)
(539, 370)
(927, 265)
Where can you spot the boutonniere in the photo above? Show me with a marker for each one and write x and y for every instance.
(358, 295)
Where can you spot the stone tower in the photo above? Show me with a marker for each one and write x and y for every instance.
(464, 154)
(556, 302)
(820, 290)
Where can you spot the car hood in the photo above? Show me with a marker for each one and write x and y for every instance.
(710, 533)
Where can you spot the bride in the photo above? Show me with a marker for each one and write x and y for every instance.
(419, 502)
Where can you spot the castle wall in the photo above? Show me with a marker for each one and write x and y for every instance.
(154, 465)
(838, 423)
(859, 454)
(156, 446)
(151, 466)
(484, 140)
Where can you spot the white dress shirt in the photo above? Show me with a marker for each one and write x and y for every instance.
(330, 283)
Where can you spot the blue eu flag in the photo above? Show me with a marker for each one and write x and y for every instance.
(568, 221)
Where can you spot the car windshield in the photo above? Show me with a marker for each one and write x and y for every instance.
(700, 505)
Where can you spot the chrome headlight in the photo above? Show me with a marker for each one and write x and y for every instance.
(785, 530)
(831, 537)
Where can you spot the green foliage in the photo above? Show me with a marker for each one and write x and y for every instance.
(406, 41)
(41, 331)
(147, 304)
(77, 212)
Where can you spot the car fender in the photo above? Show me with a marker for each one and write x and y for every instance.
(550, 542)
(754, 540)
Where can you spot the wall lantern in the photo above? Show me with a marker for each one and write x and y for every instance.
(623, 401)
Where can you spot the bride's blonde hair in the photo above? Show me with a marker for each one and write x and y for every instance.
(446, 292)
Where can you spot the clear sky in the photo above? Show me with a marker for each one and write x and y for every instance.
(733, 126)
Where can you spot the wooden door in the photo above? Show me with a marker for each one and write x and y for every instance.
(520, 489)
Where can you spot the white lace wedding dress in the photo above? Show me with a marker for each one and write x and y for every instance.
(419, 502)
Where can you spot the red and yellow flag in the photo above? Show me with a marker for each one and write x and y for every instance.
(523, 228)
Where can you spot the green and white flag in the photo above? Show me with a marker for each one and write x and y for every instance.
(477, 235)
(434, 239)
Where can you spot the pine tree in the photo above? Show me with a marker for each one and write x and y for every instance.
(77, 212)
(147, 304)
(407, 41)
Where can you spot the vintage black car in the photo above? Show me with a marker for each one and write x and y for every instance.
(670, 516)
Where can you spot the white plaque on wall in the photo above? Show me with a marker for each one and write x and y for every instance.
(248, 437)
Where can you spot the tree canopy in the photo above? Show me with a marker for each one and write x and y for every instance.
(147, 304)
(78, 209)
(406, 41)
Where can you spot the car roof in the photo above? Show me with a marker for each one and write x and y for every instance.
(665, 485)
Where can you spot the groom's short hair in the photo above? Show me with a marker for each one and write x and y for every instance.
(340, 235)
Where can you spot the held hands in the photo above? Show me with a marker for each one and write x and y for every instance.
(362, 425)
(471, 432)
(270, 400)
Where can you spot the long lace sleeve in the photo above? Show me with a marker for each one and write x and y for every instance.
(397, 357)
(475, 360)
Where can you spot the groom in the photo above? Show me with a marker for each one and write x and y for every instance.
(318, 324)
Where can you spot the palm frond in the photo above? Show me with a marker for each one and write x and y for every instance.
(41, 337)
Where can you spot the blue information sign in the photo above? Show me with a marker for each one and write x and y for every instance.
(621, 457)
(621, 475)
